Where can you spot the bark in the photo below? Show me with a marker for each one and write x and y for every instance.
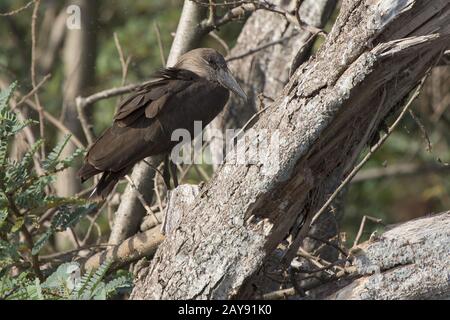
(130, 212)
(54, 38)
(267, 72)
(79, 72)
(375, 55)
(409, 261)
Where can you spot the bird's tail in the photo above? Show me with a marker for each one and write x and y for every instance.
(87, 171)
(106, 184)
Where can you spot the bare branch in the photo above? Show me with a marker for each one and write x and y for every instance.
(33, 75)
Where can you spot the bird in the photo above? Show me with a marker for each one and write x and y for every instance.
(196, 88)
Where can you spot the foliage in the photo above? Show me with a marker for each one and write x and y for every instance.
(64, 284)
(25, 196)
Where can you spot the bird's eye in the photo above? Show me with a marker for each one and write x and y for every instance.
(212, 63)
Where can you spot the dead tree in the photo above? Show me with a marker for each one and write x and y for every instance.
(377, 52)
(266, 52)
(408, 261)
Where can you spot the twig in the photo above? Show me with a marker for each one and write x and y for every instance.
(422, 129)
(32, 92)
(92, 222)
(109, 93)
(58, 124)
(235, 13)
(284, 293)
(297, 11)
(317, 261)
(7, 14)
(60, 255)
(262, 47)
(324, 268)
(141, 198)
(74, 237)
(123, 62)
(261, 110)
(399, 170)
(362, 226)
(247, 7)
(222, 42)
(85, 125)
(188, 167)
(222, 4)
(34, 257)
(337, 247)
(157, 171)
(29, 135)
(370, 153)
(143, 244)
(201, 172)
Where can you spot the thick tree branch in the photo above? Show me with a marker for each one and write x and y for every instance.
(409, 261)
(321, 118)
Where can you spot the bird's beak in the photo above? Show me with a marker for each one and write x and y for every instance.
(227, 80)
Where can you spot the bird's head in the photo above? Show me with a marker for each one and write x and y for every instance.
(211, 65)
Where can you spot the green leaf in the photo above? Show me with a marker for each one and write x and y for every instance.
(90, 282)
(3, 216)
(18, 224)
(64, 278)
(52, 159)
(9, 253)
(35, 290)
(40, 243)
(69, 161)
(5, 95)
(122, 282)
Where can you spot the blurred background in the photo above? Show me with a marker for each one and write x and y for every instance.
(405, 179)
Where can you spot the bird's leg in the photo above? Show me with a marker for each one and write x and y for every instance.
(170, 171)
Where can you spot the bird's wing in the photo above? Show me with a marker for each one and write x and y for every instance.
(151, 99)
(120, 147)
(134, 132)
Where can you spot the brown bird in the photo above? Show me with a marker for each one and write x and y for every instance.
(195, 89)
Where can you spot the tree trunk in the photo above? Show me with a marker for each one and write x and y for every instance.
(267, 72)
(408, 261)
(79, 73)
(375, 55)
